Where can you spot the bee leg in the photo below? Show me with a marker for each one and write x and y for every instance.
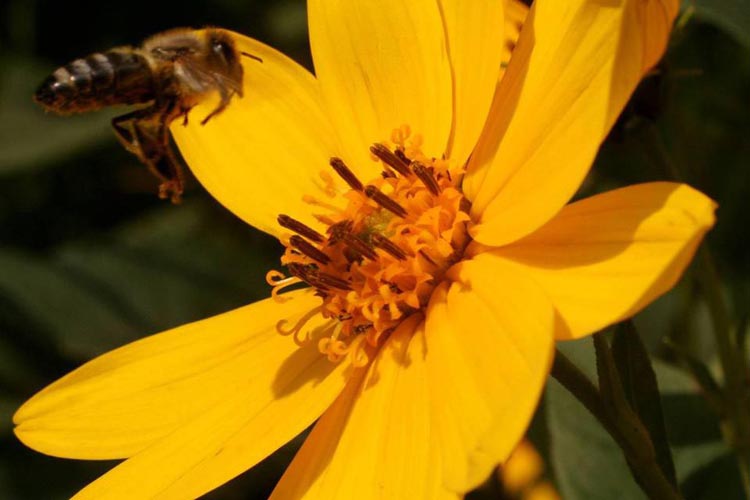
(184, 112)
(176, 182)
(223, 103)
(123, 127)
(154, 151)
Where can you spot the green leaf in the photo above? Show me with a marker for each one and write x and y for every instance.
(586, 462)
(717, 479)
(173, 266)
(55, 303)
(642, 391)
(733, 16)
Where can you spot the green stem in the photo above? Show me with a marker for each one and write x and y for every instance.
(737, 392)
(649, 476)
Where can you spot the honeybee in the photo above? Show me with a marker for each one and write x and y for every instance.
(170, 73)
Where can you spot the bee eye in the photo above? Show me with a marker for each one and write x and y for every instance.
(221, 48)
(223, 51)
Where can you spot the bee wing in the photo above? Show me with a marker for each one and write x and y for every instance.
(201, 79)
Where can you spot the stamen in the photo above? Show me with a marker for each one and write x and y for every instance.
(311, 200)
(300, 228)
(329, 187)
(359, 246)
(384, 201)
(312, 276)
(426, 177)
(308, 249)
(386, 156)
(338, 231)
(278, 281)
(345, 173)
(402, 156)
(295, 330)
(387, 245)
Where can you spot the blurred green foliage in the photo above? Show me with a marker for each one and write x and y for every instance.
(90, 258)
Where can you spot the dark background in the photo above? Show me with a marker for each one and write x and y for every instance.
(91, 259)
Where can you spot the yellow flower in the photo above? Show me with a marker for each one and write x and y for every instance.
(522, 475)
(442, 254)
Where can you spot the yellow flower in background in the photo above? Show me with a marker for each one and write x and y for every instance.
(522, 475)
(425, 205)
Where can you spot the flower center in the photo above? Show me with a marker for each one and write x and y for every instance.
(385, 252)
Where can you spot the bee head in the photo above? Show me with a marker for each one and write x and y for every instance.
(224, 55)
(223, 50)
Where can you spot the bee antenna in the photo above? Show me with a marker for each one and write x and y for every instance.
(251, 56)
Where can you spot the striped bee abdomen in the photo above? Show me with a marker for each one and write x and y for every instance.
(96, 81)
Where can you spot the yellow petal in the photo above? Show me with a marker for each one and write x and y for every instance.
(515, 16)
(574, 68)
(604, 258)
(122, 402)
(489, 349)
(265, 151)
(381, 65)
(474, 31)
(271, 398)
(376, 440)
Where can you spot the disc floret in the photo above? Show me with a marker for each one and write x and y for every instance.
(385, 252)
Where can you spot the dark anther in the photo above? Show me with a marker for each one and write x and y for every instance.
(381, 199)
(300, 228)
(400, 165)
(329, 280)
(337, 232)
(359, 246)
(426, 177)
(387, 245)
(312, 276)
(303, 272)
(340, 167)
(308, 249)
(402, 156)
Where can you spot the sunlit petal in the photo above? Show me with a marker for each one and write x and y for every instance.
(474, 31)
(271, 401)
(124, 401)
(262, 154)
(574, 68)
(381, 65)
(604, 258)
(375, 441)
(489, 348)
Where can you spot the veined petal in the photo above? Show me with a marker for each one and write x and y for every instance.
(262, 154)
(574, 68)
(376, 440)
(125, 401)
(605, 258)
(275, 400)
(515, 16)
(489, 350)
(381, 65)
(474, 31)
